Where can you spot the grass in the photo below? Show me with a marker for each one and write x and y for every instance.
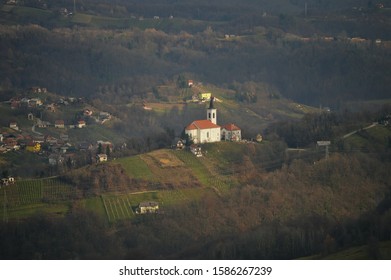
(136, 168)
(26, 11)
(198, 169)
(26, 211)
(375, 137)
(95, 204)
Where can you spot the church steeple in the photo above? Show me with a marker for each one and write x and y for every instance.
(211, 112)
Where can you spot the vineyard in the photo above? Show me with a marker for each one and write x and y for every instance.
(123, 206)
(37, 191)
(25, 195)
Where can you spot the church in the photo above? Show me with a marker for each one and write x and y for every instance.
(207, 131)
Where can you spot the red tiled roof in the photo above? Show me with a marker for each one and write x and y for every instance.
(231, 127)
(201, 124)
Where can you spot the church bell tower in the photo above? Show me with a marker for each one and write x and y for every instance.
(211, 112)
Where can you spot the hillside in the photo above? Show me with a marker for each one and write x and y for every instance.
(95, 94)
(118, 57)
(242, 192)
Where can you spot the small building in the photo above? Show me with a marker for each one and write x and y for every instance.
(33, 147)
(7, 181)
(42, 124)
(87, 112)
(231, 132)
(196, 150)
(190, 83)
(204, 95)
(51, 107)
(35, 102)
(81, 124)
(14, 125)
(101, 157)
(56, 159)
(59, 124)
(104, 146)
(148, 207)
(180, 145)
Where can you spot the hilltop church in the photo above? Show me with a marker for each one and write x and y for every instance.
(207, 131)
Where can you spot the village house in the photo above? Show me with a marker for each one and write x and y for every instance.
(7, 181)
(14, 125)
(56, 159)
(11, 143)
(38, 90)
(35, 102)
(104, 146)
(59, 124)
(87, 112)
(196, 150)
(148, 207)
(81, 124)
(85, 146)
(204, 95)
(231, 132)
(15, 104)
(104, 116)
(180, 145)
(101, 157)
(33, 147)
(51, 107)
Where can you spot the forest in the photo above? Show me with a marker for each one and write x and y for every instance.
(298, 210)
(283, 50)
(286, 199)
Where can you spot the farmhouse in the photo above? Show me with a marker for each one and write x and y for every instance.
(147, 207)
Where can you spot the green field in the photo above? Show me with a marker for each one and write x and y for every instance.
(136, 168)
(375, 137)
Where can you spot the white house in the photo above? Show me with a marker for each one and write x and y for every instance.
(231, 132)
(148, 207)
(101, 157)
